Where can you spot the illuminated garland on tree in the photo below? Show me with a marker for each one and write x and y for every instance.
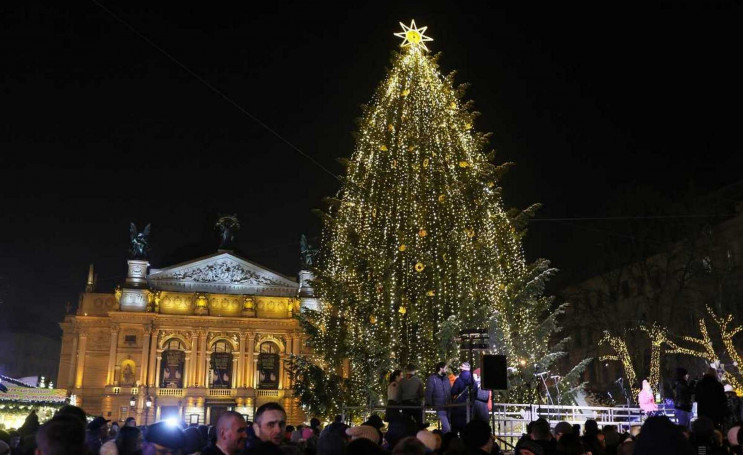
(727, 334)
(621, 354)
(418, 243)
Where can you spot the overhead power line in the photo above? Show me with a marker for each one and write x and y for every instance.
(624, 218)
(216, 90)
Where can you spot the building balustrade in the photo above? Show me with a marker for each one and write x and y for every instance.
(266, 393)
(170, 392)
(222, 392)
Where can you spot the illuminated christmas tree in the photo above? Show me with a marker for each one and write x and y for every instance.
(418, 245)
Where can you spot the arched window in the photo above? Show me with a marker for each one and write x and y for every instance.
(268, 366)
(221, 365)
(269, 347)
(171, 365)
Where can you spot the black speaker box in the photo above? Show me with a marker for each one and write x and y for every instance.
(494, 372)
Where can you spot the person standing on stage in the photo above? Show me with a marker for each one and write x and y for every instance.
(438, 393)
(411, 393)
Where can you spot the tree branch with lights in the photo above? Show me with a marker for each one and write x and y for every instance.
(418, 245)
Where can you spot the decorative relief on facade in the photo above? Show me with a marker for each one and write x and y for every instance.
(229, 336)
(262, 338)
(176, 303)
(165, 335)
(225, 305)
(128, 373)
(223, 271)
(99, 340)
(275, 307)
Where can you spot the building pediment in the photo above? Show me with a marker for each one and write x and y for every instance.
(222, 273)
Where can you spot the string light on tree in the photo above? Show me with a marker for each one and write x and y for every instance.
(440, 250)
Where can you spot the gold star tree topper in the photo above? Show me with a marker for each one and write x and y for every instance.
(413, 36)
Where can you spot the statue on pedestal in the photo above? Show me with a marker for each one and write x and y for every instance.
(139, 242)
(306, 253)
(227, 225)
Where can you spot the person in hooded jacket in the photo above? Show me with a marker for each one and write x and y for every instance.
(464, 387)
(682, 397)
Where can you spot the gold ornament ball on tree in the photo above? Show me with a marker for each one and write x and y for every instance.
(419, 267)
(422, 233)
(403, 247)
(373, 319)
(402, 309)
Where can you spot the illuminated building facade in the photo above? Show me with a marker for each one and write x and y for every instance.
(188, 341)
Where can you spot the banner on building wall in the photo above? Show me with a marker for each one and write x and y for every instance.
(268, 371)
(17, 393)
(171, 369)
(221, 370)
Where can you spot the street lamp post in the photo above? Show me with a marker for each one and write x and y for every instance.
(148, 405)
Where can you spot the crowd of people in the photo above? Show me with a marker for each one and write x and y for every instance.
(448, 394)
(716, 431)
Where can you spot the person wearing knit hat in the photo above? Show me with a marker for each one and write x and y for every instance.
(429, 440)
(363, 431)
(461, 390)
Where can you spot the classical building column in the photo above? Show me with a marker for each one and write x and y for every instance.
(145, 349)
(81, 345)
(157, 369)
(241, 362)
(297, 344)
(153, 353)
(233, 379)
(201, 373)
(73, 361)
(186, 367)
(192, 374)
(111, 378)
(204, 376)
(251, 362)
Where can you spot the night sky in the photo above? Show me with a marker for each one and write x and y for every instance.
(100, 128)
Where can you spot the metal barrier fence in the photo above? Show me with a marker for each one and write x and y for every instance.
(509, 420)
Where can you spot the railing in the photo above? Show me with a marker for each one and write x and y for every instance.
(170, 392)
(221, 392)
(266, 393)
(509, 420)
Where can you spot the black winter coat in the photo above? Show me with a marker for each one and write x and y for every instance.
(464, 385)
(682, 393)
(711, 400)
